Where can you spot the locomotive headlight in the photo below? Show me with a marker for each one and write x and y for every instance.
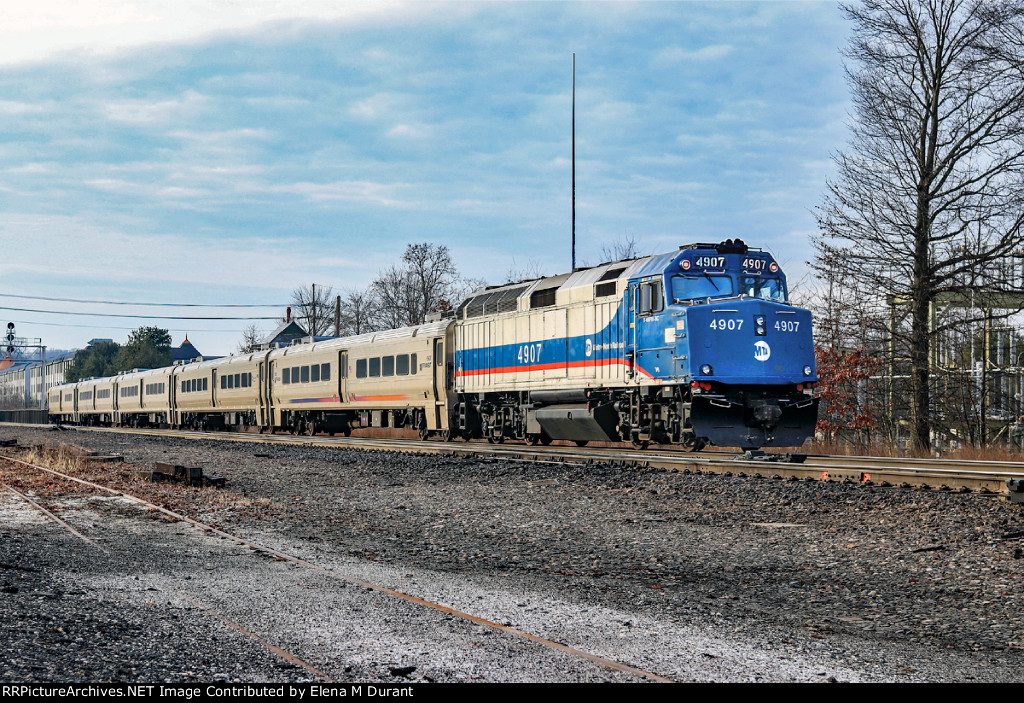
(705, 370)
(807, 371)
(759, 326)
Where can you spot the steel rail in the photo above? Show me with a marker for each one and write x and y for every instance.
(587, 656)
(983, 476)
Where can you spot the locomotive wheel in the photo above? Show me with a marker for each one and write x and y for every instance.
(582, 442)
(445, 435)
(639, 443)
(348, 431)
(533, 439)
(545, 439)
(311, 428)
(424, 434)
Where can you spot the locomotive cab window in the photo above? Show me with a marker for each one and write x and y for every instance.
(694, 286)
(765, 288)
(651, 298)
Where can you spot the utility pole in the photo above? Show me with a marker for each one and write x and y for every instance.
(573, 161)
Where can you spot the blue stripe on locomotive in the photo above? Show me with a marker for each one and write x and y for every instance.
(737, 356)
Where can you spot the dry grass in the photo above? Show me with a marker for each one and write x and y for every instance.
(203, 504)
(968, 453)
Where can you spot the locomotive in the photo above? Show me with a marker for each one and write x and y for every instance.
(692, 347)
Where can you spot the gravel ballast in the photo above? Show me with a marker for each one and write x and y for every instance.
(692, 577)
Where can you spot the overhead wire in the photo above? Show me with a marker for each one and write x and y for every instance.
(121, 302)
(142, 317)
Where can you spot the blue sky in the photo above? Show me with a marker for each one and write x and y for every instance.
(179, 152)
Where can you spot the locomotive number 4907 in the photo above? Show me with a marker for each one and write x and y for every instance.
(787, 325)
(731, 325)
(711, 262)
(528, 353)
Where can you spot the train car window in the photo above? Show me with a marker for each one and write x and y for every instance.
(223, 382)
(231, 381)
(325, 372)
(361, 368)
(402, 365)
(412, 364)
(286, 376)
(238, 380)
(205, 384)
(388, 363)
(375, 367)
(305, 374)
(603, 290)
(314, 373)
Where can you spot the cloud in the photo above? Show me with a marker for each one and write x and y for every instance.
(48, 28)
(352, 191)
(677, 54)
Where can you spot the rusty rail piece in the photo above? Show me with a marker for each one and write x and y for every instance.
(982, 476)
(53, 517)
(587, 656)
(290, 658)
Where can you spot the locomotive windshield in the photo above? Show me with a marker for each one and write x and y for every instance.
(761, 287)
(701, 285)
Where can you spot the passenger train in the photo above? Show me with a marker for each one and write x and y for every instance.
(692, 347)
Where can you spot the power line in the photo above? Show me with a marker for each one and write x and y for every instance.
(142, 317)
(118, 302)
(114, 327)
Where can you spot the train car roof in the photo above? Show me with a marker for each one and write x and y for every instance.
(503, 298)
(429, 329)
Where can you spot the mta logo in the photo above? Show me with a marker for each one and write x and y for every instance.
(762, 352)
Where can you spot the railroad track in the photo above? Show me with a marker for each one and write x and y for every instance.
(944, 474)
(287, 656)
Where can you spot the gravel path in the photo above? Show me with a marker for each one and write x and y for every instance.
(693, 577)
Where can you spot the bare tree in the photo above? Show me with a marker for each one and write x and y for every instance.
(358, 313)
(928, 198)
(314, 306)
(425, 281)
(252, 337)
(527, 272)
(626, 247)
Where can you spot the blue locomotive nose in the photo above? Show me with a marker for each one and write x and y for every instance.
(751, 342)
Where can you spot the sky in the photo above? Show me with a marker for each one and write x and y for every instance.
(228, 152)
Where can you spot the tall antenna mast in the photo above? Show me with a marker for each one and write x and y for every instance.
(573, 161)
